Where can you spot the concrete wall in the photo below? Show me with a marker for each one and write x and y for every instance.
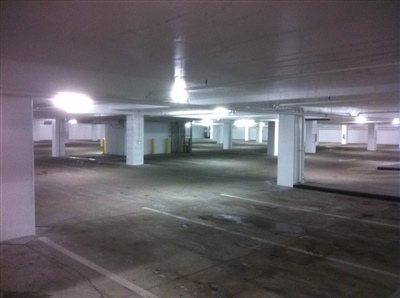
(358, 134)
(159, 131)
(115, 139)
(80, 131)
(198, 132)
(17, 198)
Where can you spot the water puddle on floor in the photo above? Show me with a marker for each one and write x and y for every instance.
(255, 221)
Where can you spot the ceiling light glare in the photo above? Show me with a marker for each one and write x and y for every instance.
(396, 121)
(361, 119)
(206, 122)
(188, 124)
(244, 123)
(220, 112)
(73, 121)
(72, 102)
(178, 92)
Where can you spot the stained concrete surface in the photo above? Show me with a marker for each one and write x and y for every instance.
(208, 224)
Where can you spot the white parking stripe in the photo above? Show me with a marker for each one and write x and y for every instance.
(298, 250)
(310, 211)
(106, 273)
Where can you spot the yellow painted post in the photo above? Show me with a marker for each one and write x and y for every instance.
(181, 145)
(104, 146)
(167, 146)
(153, 146)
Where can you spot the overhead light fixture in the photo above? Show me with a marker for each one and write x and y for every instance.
(396, 121)
(73, 121)
(206, 122)
(178, 92)
(361, 119)
(188, 124)
(244, 123)
(220, 112)
(72, 102)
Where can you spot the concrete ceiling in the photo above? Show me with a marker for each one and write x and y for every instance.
(338, 58)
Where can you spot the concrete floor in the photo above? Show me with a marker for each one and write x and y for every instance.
(207, 224)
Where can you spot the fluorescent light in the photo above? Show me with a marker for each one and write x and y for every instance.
(244, 123)
(188, 124)
(73, 121)
(72, 102)
(220, 112)
(206, 122)
(178, 92)
(396, 121)
(361, 119)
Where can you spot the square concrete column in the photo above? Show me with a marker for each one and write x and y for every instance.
(311, 137)
(178, 136)
(345, 130)
(60, 137)
(134, 140)
(273, 135)
(260, 132)
(220, 134)
(36, 129)
(372, 136)
(17, 195)
(246, 133)
(227, 135)
(291, 150)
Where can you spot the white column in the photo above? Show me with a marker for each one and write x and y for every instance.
(291, 150)
(36, 129)
(273, 135)
(311, 137)
(212, 132)
(59, 138)
(246, 133)
(227, 135)
(260, 132)
(372, 136)
(17, 195)
(134, 140)
(220, 138)
(345, 131)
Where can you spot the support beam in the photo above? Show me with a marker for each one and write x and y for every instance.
(291, 150)
(134, 140)
(60, 137)
(260, 132)
(372, 136)
(311, 137)
(36, 129)
(273, 135)
(345, 130)
(227, 135)
(220, 136)
(246, 133)
(177, 137)
(17, 199)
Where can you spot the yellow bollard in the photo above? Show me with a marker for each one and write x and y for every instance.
(104, 146)
(167, 146)
(153, 146)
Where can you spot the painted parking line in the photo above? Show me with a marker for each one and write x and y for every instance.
(298, 250)
(314, 212)
(123, 282)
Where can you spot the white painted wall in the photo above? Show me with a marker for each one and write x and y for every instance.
(159, 131)
(80, 131)
(17, 195)
(115, 139)
(358, 134)
(198, 132)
